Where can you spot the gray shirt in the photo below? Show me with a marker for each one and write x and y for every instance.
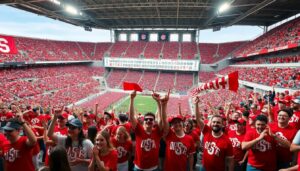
(84, 152)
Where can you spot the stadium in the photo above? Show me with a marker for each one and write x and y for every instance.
(154, 44)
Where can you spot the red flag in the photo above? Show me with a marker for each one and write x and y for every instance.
(233, 79)
(131, 86)
(7, 45)
(230, 81)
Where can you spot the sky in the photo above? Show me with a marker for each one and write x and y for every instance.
(22, 23)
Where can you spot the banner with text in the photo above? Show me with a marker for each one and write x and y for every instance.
(159, 64)
(7, 45)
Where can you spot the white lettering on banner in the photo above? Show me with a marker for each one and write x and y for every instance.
(235, 142)
(121, 152)
(262, 146)
(212, 148)
(163, 64)
(178, 147)
(4, 46)
(12, 155)
(148, 144)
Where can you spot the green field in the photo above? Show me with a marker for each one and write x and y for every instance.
(142, 105)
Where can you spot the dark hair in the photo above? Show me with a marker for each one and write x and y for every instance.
(216, 116)
(58, 160)
(246, 113)
(289, 111)
(123, 117)
(92, 132)
(81, 137)
(262, 118)
(149, 114)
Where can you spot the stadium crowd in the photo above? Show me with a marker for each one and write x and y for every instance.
(227, 131)
(272, 60)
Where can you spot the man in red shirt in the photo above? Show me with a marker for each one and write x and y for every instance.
(180, 147)
(283, 130)
(236, 137)
(294, 121)
(18, 149)
(261, 146)
(147, 137)
(217, 150)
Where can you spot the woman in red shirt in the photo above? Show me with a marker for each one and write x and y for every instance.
(123, 144)
(105, 157)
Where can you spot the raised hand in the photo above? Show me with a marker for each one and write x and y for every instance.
(196, 100)
(133, 94)
(165, 99)
(263, 134)
(155, 96)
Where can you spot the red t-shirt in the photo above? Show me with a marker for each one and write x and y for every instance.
(110, 160)
(18, 156)
(5, 116)
(294, 121)
(263, 154)
(123, 149)
(2, 141)
(178, 150)
(147, 147)
(215, 150)
(236, 141)
(288, 133)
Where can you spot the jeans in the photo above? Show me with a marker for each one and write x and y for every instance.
(250, 168)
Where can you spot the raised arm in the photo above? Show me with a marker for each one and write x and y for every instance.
(198, 114)
(31, 138)
(156, 97)
(50, 133)
(247, 145)
(131, 110)
(164, 103)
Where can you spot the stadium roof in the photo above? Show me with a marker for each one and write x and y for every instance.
(194, 14)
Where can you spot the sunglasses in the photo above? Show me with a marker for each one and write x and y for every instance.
(149, 119)
(72, 127)
(8, 131)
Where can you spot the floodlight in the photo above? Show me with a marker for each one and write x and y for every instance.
(56, 2)
(224, 7)
(71, 9)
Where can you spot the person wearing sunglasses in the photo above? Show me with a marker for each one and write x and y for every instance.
(147, 137)
(18, 150)
(79, 149)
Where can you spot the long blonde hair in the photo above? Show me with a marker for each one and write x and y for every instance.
(125, 132)
(106, 135)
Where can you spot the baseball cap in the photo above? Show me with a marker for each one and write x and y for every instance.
(296, 100)
(12, 125)
(176, 117)
(74, 122)
(63, 116)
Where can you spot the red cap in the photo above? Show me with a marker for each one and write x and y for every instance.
(176, 117)
(65, 115)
